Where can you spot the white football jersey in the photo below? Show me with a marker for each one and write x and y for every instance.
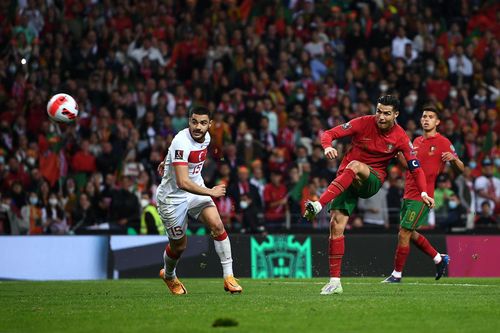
(183, 151)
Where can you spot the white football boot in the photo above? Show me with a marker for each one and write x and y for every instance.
(312, 209)
(332, 287)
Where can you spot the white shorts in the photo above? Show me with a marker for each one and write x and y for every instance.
(175, 216)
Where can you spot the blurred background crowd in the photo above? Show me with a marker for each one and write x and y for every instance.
(275, 74)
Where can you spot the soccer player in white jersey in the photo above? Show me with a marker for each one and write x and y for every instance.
(182, 192)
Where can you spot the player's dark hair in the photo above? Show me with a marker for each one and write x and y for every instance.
(199, 109)
(389, 100)
(431, 108)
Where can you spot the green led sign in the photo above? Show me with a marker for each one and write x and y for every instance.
(281, 257)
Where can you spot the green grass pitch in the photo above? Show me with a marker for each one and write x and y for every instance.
(288, 305)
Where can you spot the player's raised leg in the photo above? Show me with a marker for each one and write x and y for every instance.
(210, 217)
(440, 260)
(171, 255)
(355, 171)
(335, 252)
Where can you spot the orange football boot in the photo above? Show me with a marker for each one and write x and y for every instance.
(174, 285)
(232, 285)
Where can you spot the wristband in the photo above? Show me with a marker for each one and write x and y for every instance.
(423, 194)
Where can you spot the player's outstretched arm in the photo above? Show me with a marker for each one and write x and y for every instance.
(348, 129)
(184, 183)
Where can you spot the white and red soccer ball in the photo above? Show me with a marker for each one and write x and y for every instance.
(62, 108)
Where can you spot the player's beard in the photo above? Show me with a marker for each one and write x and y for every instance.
(198, 135)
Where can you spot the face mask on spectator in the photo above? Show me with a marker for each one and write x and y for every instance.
(453, 93)
(53, 201)
(31, 161)
(452, 204)
(33, 200)
(2, 160)
(300, 97)
(413, 98)
(144, 203)
(472, 164)
(383, 87)
(497, 162)
(298, 70)
(243, 204)
(430, 69)
(317, 102)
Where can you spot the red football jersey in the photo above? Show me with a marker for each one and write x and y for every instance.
(369, 144)
(429, 153)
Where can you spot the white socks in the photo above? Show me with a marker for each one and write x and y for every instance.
(334, 279)
(169, 265)
(397, 275)
(437, 259)
(223, 249)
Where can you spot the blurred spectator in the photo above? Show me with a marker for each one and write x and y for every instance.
(275, 201)
(31, 216)
(53, 217)
(485, 217)
(151, 222)
(272, 81)
(246, 198)
(83, 214)
(375, 210)
(487, 187)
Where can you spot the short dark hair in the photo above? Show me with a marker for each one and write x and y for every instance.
(431, 108)
(389, 100)
(200, 109)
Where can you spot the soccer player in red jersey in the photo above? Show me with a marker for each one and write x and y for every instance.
(375, 141)
(433, 151)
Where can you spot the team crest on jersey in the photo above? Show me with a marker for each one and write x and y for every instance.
(179, 154)
(390, 146)
(346, 126)
(432, 150)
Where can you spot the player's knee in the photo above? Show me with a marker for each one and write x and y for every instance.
(217, 229)
(404, 236)
(354, 166)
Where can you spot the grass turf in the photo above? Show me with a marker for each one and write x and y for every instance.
(416, 305)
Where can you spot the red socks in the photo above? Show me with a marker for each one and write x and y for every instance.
(400, 257)
(221, 237)
(335, 253)
(423, 244)
(337, 186)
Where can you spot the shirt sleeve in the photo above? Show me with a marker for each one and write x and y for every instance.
(347, 129)
(410, 155)
(449, 148)
(179, 153)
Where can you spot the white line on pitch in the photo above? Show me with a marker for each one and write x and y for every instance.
(402, 283)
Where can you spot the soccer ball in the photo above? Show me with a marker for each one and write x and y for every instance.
(62, 108)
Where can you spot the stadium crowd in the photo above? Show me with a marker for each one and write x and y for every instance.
(275, 74)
